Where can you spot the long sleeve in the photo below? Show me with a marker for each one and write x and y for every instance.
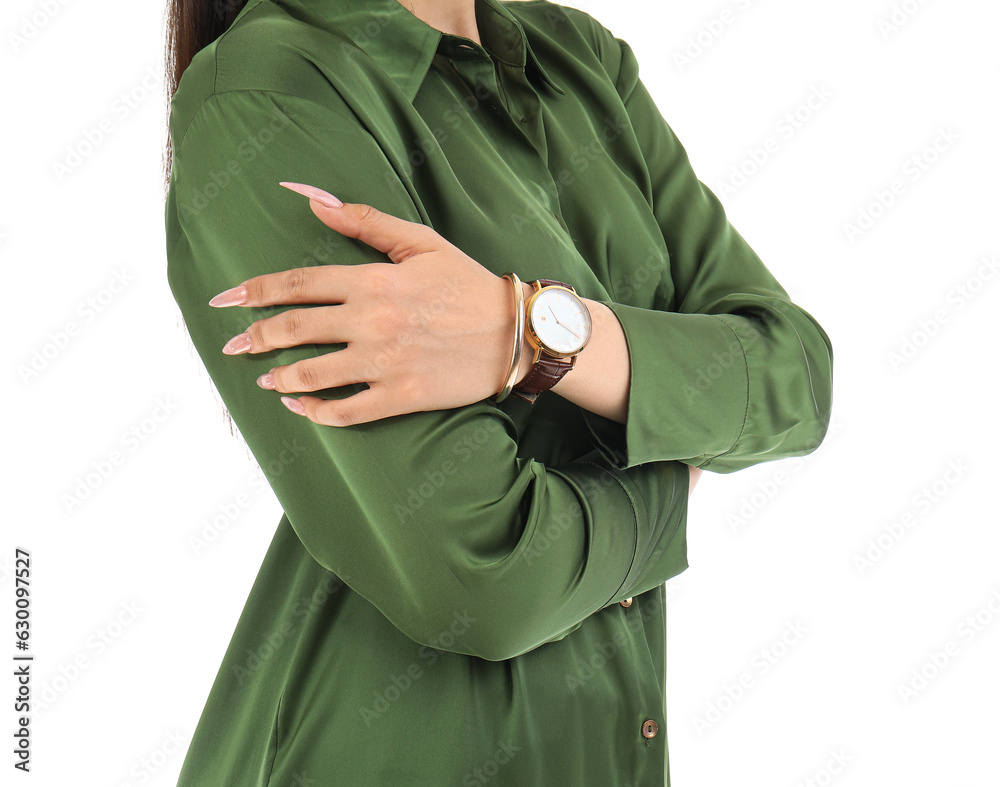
(431, 516)
(727, 371)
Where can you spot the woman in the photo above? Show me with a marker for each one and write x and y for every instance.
(466, 586)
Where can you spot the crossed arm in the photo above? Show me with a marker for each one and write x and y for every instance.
(474, 336)
(352, 495)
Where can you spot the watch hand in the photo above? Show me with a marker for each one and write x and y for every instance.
(564, 325)
(559, 322)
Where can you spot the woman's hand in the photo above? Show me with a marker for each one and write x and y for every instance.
(431, 331)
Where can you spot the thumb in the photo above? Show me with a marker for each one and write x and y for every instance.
(396, 237)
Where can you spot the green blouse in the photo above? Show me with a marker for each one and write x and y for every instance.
(472, 596)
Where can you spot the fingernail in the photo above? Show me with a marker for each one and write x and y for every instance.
(231, 297)
(293, 404)
(322, 197)
(266, 381)
(240, 343)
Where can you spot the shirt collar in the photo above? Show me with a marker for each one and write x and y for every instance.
(404, 45)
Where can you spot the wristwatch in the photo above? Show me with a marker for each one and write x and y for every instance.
(558, 326)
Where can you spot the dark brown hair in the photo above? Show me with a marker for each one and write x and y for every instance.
(191, 25)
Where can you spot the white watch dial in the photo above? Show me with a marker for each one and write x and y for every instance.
(560, 320)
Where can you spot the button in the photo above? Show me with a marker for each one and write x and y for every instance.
(626, 603)
(649, 728)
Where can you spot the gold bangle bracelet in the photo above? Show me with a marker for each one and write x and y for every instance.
(515, 360)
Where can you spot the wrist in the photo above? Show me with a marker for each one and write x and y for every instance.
(527, 351)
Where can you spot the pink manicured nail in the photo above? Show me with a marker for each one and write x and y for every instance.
(240, 343)
(266, 381)
(293, 404)
(322, 197)
(231, 297)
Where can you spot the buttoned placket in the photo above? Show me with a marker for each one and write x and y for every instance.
(507, 83)
(513, 98)
(516, 99)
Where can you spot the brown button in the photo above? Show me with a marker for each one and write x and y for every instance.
(627, 602)
(649, 728)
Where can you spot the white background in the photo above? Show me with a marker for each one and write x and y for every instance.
(773, 550)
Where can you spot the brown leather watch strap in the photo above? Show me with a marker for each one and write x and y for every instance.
(543, 375)
(547, 370)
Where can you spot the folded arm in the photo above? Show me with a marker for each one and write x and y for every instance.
(726, 371)
(428, 514)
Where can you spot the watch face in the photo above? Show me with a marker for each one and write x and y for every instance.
(560, 320)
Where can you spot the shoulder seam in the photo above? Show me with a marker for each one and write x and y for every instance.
(215, 72)
(215, 94)
(626, 52)
(215, 57)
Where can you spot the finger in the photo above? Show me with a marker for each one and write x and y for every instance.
(368, 405)
(330, 370)
(291, 328)
(398, 238)
(314, 284)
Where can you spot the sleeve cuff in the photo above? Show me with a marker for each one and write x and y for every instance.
(688, 391)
